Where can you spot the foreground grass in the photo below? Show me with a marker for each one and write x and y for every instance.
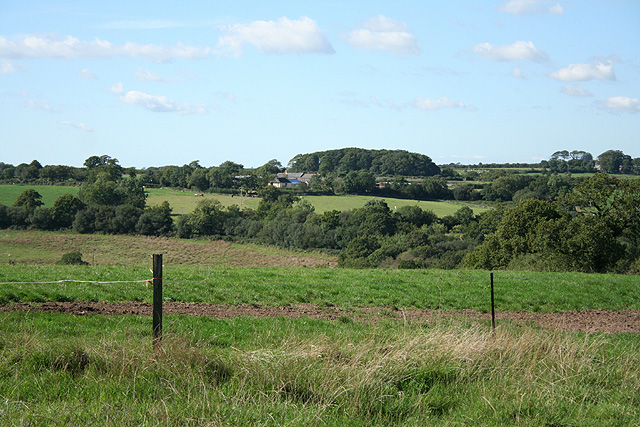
(67, 370)
(423, 289)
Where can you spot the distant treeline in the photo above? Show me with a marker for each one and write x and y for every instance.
(377, 162)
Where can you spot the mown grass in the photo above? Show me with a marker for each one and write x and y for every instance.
(269, 286)
(91, 370)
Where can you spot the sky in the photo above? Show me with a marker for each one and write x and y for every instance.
(155, 83)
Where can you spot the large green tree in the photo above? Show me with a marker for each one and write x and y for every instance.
(615, 161)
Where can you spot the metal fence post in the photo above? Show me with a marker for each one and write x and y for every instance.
(493, 308)
(157, 301)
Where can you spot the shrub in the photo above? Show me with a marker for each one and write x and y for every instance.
(72, 258)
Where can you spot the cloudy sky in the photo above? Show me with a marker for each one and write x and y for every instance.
(155, 83)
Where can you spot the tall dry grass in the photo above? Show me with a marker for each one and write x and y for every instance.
(450, 373)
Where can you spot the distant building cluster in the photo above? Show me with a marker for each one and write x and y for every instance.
(294, 179)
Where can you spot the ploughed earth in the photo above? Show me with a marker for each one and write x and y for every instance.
(587, 321)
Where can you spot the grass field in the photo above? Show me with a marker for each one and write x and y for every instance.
(49, 193)
(94, 370)
(397, 289)
(41, 248)
(184, 202)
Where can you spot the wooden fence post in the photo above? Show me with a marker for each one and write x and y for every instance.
(493, 308)
(157, 301)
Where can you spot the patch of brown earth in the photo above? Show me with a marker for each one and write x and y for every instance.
(587, 321)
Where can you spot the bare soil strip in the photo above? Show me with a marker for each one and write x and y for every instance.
(587, 321)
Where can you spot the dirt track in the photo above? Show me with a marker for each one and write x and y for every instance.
(588, 321)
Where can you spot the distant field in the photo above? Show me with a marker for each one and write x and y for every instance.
(185, 202)
(46, 248)
(9, 193)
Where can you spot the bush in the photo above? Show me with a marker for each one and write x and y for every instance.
(72, 258)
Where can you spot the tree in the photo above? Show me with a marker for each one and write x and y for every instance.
(504, 188)
(359, 182)
(224, 176)
(312, 163)
(514, 236)
(581, 155)
(612, 161)
(198, 180)
(614, 200)
(29, 199)
(560, 155)
(156, 220)
(95, 161)
(207, 219)
(101, 191)
(415, 215)
(357, 251)
(374, 218)
(435, 188)
(106, 191)
(65, 209)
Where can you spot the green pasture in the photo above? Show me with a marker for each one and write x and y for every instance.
(396, 289)
(9, 192)
(186, 201)
(183, 202)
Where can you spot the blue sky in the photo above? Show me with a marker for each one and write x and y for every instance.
(165, 83)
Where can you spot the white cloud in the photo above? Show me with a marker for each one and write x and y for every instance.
(382, 33)
(148, 76)
(282, 36)
(439, 104)
(160, 103)
(518, 74)
(41, 104)
(72, 48)
(601, 70)
(117, 88)
(80, 126)
(575, 90)
(621, 104)
(7, 67)
(86, 74)
(425, 104)
(518, 51)
(527, 7)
